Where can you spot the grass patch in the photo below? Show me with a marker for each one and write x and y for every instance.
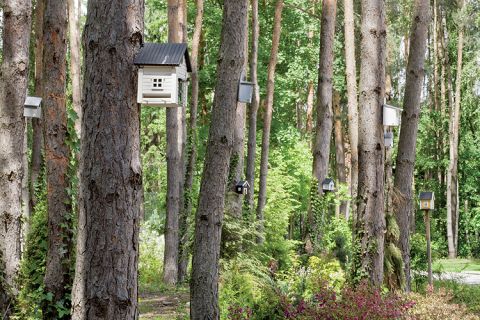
(456, 265)
(463, 294)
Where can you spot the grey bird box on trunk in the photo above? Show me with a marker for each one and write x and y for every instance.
(328, 185)
(33, 107)
(391, 115)
(163, 74)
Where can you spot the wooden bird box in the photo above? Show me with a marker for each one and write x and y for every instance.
(242, 187)
(32, 107)
(392, 116)
(427, 200)
(163, 74)
(328, 185)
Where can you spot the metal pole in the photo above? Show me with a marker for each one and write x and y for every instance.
(429, 249)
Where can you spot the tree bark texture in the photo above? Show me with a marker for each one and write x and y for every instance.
(234, 201)
(370, 225)
(267, 120)
(253, 110)
(339, 151)
(111, 195)
(452, 183)
(13, 88)
(209, 216)
(57, 154)
(409, 128)
(75, 61)
(37, 135)
(310, 96)
(192, 151)
(175, 156)
(323, 133)
(351, 77)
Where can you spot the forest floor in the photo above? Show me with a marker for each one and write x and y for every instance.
(456, 265)
(164, 305)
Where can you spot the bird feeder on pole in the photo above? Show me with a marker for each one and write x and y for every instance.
(427, 203)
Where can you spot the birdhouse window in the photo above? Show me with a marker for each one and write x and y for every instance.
(157, 83)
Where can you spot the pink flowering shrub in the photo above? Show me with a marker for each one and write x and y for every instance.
(239, 313)
(362, 302)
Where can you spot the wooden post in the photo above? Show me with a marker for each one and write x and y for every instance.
(429, 249)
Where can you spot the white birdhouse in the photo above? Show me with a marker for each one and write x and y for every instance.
(242, 187)
(328, 185)
(245, 90)
(163, 74)
(388, 136)
(392, 116)
(427, 200)
(32, 107)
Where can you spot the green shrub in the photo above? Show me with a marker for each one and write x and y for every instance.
(150, 263)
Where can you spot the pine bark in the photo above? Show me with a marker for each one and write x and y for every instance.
(13, 88)
(110, 196)
(37, 136)
(310, 96)
(409, 129)
(351, 77)
(339, 151)
(175, 155)
(323, 133)
(209, 216)
(57, 154)
(192, 155)
(370, 223)
(75, 62)
(253, 110)
(267, 120)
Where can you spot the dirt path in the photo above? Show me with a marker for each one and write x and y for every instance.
(163, 306)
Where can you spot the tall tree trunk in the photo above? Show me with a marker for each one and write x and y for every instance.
(370, 225)
(321, 148)
(110, 168)
(13, 88)
(209, 216)
(75, 62)
(252, 111)
(57, 153)
(192, 155)
(452, 183)
(310, 96)
(267, 120)
(351, 75)
(409, 129)
(175, 152)
(339, 152)
(37, 136)
(234, 201)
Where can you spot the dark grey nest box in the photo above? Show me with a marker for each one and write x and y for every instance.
(328, 185)
(32, 107)
(242, 187)
(163, 74)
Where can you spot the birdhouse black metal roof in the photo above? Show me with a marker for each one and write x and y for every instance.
(163, 54)
(327, 181)
(243, 184)
(426, 196)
